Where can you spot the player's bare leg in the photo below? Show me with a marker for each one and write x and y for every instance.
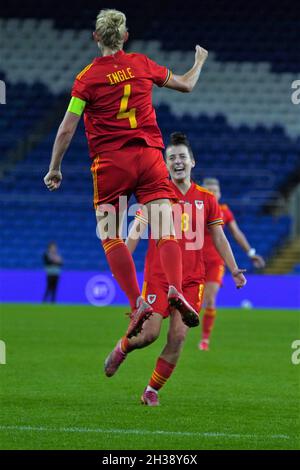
(167, 360)
(148, 335)
(175, 339)
(122, 265)
(162, 230)
(210, 294)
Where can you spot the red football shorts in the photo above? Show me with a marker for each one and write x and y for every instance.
(214, 272)
(156, 295)
(133, 169)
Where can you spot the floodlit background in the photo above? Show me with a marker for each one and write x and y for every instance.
(241, 120)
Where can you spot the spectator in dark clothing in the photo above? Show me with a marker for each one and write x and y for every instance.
(52, 262)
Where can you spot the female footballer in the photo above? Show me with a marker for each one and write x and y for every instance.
(214, 264)
(114, 93)
(199, 210)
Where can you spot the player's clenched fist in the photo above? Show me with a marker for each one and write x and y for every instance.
(53, 179)
(239, 278)
(201, 54)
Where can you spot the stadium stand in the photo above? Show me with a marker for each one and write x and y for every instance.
(240, 119)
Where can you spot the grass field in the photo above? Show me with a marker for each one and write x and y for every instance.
(243, 394)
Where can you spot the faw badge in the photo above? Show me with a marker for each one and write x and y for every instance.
(199, 204)
(151, 298)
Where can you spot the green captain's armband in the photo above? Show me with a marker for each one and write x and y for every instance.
(76, 105)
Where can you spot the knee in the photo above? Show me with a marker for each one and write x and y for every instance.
(150, 337)
(210, 301)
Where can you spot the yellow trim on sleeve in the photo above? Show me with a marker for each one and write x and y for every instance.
(216, 222)
(204, 190)
(169, 75)
(80, 75)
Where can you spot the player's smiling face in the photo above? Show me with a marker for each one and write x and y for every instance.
(179, 162)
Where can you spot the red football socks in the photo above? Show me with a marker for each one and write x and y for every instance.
(122, 267)
(171, 260)
(208, 321)
(161, 373)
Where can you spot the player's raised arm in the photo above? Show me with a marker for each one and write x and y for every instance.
(222, 245)
(138, 227)
(185, 83)
(241, 239)
(62, 141)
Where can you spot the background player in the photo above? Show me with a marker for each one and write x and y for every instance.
(180, 161)
(52, 263)
(214, 264)
(114, 93)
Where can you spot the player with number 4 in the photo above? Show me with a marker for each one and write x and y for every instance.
(114, 93)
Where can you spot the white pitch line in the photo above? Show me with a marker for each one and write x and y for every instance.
(143, 431)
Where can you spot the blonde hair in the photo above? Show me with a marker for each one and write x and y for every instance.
(111, 27)
(210, 181)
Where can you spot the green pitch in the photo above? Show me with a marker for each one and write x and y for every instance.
(243, 394)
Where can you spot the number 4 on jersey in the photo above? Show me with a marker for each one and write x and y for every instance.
(124, 113)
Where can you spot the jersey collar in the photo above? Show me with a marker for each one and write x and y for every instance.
(179, 193)
(108, 58)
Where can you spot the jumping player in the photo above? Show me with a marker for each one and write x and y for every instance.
(214, 264)
(195, 201)
(125, 145)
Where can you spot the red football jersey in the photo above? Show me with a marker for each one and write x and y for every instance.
(197, 199)
(211, 254)
(118, 92)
